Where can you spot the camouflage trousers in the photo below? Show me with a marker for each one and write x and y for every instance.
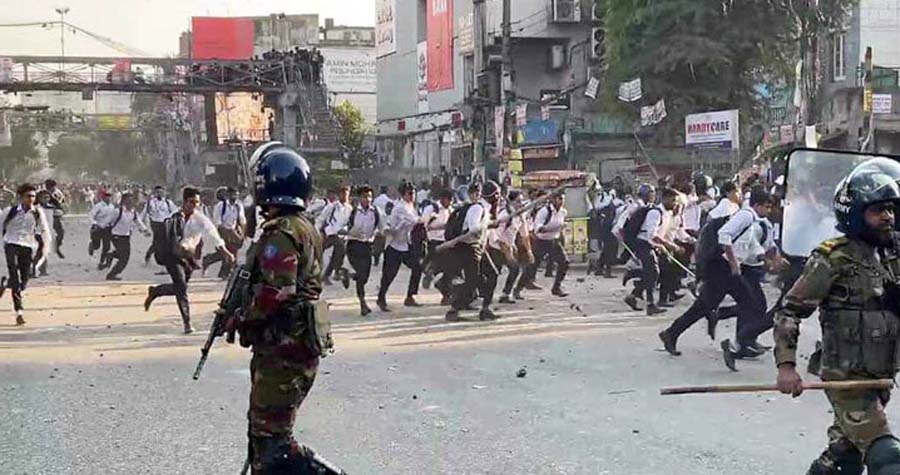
(859, 420)
(280, 380)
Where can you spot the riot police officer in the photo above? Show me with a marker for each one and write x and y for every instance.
(852, 280)
(285, 274)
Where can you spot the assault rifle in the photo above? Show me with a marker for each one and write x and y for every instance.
(230, 306)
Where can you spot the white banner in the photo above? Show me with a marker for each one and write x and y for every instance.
(422, 77)
(6, 69)
(882, 103)
(652, 115)
(718, 129)
(385, 27)
(592, 87)
(499, 120)
(630, 91)
(465, 34)
(349, 70)
(521, 115)
(545, 112)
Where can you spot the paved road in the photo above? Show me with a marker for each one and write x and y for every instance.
(94, 385)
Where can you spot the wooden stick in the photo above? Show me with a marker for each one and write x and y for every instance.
(754, 388)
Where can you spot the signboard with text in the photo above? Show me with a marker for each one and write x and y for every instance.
(440, 45)
(718, 129)
(385, 27)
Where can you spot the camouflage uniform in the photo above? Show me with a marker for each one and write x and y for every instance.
(846, 278)
(287, 270)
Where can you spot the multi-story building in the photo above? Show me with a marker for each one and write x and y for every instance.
(438, 88)
(349, 53)
(872, 24)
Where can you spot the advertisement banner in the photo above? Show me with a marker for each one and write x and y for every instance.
(786, 134)
(422, 77)
(521, 114)
(652, 115)
(630, 91)
(349, 70)
(718, 129)
(385, 28)
(222, 38)
(465, 34)
(440, 45)
(592, 87)
(881, 103)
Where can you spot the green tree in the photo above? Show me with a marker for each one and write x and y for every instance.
(709, 54)
(17, 155)
(353, 131)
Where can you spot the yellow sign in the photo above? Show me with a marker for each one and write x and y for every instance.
(515, 181)
(867, 99)
(575, 235)
(515, 154)
(516, 166)
(114, 122)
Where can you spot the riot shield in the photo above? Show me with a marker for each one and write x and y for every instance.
(811, 179)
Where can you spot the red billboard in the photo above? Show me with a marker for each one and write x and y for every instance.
(440, 45)
(222, 38)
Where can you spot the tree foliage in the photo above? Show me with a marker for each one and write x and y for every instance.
(702, 55)
(19, 154)
(353, 130)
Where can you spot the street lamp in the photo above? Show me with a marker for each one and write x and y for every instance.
(62, 40)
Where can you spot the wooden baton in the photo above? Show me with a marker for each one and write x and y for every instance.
(755, 388)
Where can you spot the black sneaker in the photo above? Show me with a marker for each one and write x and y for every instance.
(113, 277)
(452, 315)
(505, 299)
(675, 296)
(345, 279)
(728, 355)
(382, 304)
(654, 310)
(669, 341)
(559, 292)
(20, 320)
(486, 315)
(411, 302)
(364, 309)
(632, 302)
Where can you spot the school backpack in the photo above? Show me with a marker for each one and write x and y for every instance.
(165, 244)
(456, 221)
(634, 223)
(708, 248)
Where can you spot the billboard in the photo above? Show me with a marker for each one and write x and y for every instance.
(422, 78)
(222, 38)
(349, 69)
(718, 129)
(440, 45)
(385, 27)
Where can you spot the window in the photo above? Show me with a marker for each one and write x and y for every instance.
(838, 61)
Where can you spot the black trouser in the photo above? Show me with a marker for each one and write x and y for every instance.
(180, 276)
(101, 238)
(557, 255)
(429, 264)
(377, 248)
(59, 230)
(121, 254)
(753, 321)
(337, 256)
(468, 260)
(501, 260)
(645, 253)
(18, 265)
(718, 282)
(392, 260)
(158, 230)
(359, 254)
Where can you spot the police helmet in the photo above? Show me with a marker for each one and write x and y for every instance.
(490, 189)
(873, 181)
(644, 191)
(282, 176)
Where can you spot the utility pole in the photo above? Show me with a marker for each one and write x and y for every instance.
(506, 82)
(62, 40)
(481, 115)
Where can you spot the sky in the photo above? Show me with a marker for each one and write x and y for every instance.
(152, 26)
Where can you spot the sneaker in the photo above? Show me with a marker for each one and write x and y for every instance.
(728, 355)
(364, 309)
(654, 310)
(487, 315)
(675, 296)
(411, 302)
(60, 254)
(559, 292)
(505, 299)
(518, 295)
(452, 315)
(188, 329)
(345, 278)
(669, 341)
(20, 320)
(632, 302)
(113, 277)
(382, 304)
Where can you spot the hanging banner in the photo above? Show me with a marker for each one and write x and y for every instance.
(592, 87)
(422, 77)
(499, 119)
(630, 91)
(521, 115)
(465, 34)
(545, 112)
(440, 45)
(385, 28)
(652, 115)
(882, 103)
(718, 129)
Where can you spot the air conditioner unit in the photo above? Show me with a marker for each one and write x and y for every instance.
(566, 11)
